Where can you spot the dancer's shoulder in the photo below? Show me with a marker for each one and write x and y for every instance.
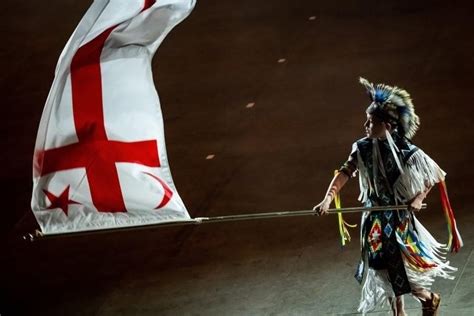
(362, 143)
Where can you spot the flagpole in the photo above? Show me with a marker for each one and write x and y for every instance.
(218, 219)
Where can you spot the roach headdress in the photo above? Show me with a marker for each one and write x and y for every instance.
(392, 105)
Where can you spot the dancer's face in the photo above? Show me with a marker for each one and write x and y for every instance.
(375, 127)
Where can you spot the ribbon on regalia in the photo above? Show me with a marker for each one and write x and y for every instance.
(454, 237)
(342, 224)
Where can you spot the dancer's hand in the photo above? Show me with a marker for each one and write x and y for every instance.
(415, 204)
(323, 207)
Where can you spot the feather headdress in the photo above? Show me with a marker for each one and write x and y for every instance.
(395, 105)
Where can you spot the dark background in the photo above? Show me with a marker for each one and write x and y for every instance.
(278, 155)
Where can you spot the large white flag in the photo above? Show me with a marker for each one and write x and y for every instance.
(100, 157)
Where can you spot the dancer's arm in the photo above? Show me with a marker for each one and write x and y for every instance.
(339, 180)
(415, 203)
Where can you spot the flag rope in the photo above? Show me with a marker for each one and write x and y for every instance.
(217, 219)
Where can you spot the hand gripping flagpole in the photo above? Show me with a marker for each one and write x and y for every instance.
(227, 218)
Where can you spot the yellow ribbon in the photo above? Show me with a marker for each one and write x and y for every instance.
(343, 231)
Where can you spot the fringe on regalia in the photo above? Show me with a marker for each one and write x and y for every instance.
(424, 258)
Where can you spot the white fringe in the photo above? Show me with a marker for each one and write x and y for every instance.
(377, 288)
(420, 173)
(437, 253)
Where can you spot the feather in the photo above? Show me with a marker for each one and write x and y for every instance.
(369, 87)
(397, 103)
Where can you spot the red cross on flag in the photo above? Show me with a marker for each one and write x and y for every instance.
(100, 157)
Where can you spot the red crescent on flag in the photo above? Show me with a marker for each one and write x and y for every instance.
(167, 191)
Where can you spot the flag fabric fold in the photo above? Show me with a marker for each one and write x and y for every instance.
(100, 158)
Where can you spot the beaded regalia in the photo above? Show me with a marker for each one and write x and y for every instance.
(399, 255)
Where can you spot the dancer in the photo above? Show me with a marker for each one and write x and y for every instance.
(398, 255)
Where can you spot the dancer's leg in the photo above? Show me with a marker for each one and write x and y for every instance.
(398, 305)
(429, 301)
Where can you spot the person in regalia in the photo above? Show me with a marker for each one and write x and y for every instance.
(398, 255)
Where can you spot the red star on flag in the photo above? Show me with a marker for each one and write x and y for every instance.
(62, 201)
